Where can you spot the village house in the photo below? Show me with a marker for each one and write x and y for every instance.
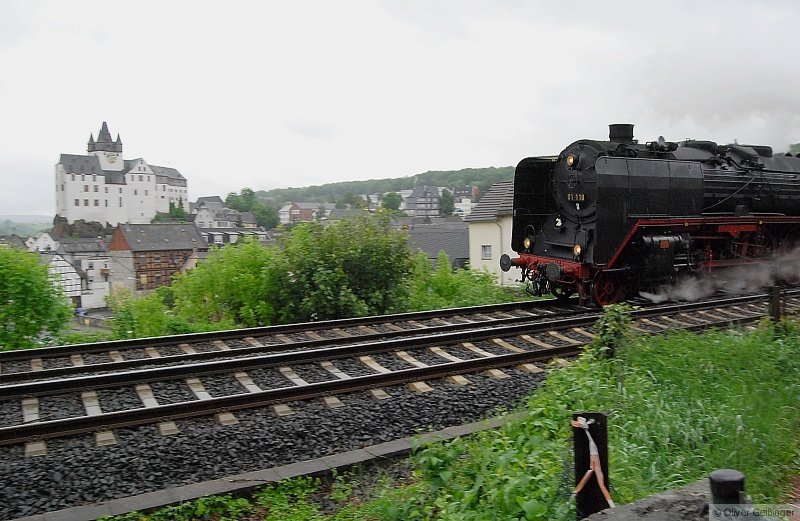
(147, 256)
(490, 231)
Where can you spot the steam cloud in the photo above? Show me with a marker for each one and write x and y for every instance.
(735, 281)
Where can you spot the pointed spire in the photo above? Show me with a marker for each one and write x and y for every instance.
(90, 148)
(104, 143)
(104, 136)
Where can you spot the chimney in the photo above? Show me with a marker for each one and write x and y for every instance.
(620, 133)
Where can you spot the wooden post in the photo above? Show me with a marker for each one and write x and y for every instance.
(590, 499)
(775, 304)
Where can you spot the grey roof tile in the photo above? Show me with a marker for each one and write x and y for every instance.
(497, 202)
(452, 237)
(163, 236)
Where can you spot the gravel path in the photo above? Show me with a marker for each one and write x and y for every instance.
(76, 472)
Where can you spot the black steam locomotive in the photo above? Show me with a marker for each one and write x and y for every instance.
(606, 219)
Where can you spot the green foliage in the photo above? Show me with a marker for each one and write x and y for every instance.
(352, 267)
(678, 407)
(445, 287)
(238, 285)
(392, 201)
(31, 306)
(613, 330)
(446, 204)
(150, 315)
(350, 200)
(217, 508)
(176, 214)
(483, 178)
(246, 201)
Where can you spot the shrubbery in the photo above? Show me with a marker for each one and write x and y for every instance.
(354, 267)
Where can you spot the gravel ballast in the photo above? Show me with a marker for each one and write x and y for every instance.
(76, 472)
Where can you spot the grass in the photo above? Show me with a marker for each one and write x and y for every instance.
(679, 406)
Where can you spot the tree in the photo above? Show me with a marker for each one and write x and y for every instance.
(30, 304)
(392, 201)
(446, 204)
(247, 201)
(353, 267)
(238, 284)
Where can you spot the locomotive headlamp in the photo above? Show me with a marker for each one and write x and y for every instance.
(576, 250)
(526, 242)
(572, 160)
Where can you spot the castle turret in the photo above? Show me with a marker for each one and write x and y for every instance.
(106, 149)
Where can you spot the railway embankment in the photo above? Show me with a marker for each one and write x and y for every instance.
(679, 406)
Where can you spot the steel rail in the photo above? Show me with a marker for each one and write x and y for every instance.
(126, 378)
(149, 415)
(57, 372)
(182, 410)
(97, 347)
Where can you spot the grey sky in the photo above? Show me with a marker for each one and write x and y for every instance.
(274, 94)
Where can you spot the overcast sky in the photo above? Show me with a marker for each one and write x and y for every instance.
(268, 94)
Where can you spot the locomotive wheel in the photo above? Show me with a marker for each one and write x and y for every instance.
(607, 289)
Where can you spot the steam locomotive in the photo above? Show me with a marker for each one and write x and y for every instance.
(607, 219)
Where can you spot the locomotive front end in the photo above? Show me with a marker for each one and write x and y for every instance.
(554, 216)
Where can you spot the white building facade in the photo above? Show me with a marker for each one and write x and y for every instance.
(104, 187)
(490, 224)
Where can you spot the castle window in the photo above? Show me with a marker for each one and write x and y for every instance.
(77, 202)
(120, 190)
(141, 177)
(148, 178)
(145, 192)
(90, 266)
(85, 188)
(96, 202)
(136, 192)
(106, 189)
(120, 202)
(96, 188)
(83, 177)
(106, 203)
(85, 202)
(94, 178)
(62, 187)
(73, 177)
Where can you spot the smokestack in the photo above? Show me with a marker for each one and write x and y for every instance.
(620, 133)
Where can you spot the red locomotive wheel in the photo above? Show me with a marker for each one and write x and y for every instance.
(607, 289)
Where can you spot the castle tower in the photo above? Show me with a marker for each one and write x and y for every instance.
(108, 151)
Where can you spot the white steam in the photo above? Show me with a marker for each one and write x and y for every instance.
(739, 280)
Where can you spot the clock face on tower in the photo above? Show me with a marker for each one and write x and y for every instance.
(111, 157)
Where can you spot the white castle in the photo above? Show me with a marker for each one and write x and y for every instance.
(106, 188)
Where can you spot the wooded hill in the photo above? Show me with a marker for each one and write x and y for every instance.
(483, 178)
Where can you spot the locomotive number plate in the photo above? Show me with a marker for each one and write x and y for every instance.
(576, 197)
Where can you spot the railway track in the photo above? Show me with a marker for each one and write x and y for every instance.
(62, 361)
(275, 374)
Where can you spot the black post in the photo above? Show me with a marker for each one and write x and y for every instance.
(775, 304)
(590, 499)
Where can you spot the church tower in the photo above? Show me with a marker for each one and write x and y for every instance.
(109, 152)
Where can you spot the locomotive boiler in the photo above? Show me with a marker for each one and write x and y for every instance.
(606, 219)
